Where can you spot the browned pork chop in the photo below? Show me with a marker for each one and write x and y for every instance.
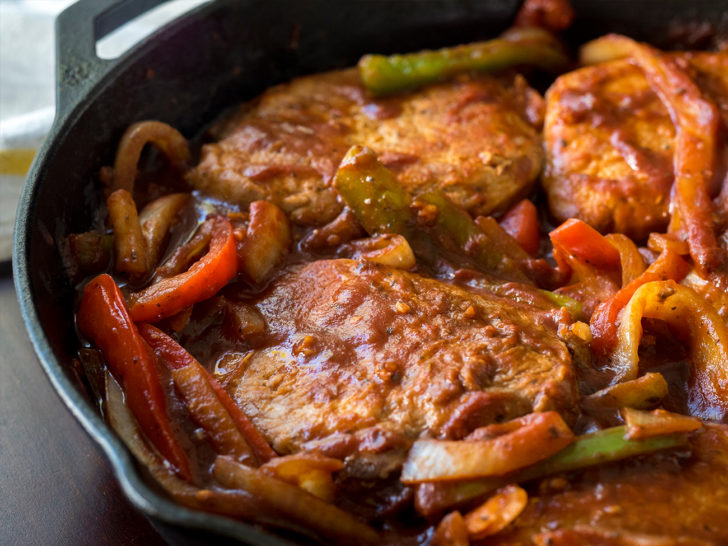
(352, 347)
(470, 137)
(667, 499)
(610, 141)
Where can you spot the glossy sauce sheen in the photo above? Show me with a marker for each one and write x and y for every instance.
(357, 348)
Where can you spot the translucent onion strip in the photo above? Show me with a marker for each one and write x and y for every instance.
(130, 245)
(165, 138)
(292, 502)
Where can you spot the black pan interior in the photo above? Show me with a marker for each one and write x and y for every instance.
(217, 56)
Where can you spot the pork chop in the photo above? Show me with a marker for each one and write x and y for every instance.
(359, 348)
(609, 143)
(470, 137)
(668, 499)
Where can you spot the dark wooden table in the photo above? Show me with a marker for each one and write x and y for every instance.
(55, 485)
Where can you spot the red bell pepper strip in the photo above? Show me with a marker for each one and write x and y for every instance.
(579, 239)
(521, 223)
(104, 319)
(669, 265)
(210, 406)
(201, 281)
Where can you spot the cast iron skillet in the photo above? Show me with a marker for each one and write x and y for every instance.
(185, 74)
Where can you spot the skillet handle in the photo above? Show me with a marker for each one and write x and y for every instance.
(78, 28)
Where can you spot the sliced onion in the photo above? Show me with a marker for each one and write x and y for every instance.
(644, 424)
(386, 249)
(165, 138)
(130, 246)
(292, 502)
(157, 218)
(309, 471)
(641, 393)
(495, 514)
(520, 443)
(267, 240)
(451, 531)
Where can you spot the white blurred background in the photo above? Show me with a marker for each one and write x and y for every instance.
(27, 84)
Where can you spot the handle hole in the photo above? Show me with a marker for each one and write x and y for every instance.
(117, 42)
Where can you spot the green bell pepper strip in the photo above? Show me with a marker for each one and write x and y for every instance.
(382, 205)
(373, 193)
(573, 306)
(454, 225)
(381, 74)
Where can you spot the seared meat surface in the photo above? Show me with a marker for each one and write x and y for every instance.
(669, 498)
(358, 348)
(474, 138)
(609, 144)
